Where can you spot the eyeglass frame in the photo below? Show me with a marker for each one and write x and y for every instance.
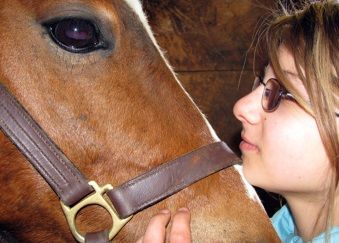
(283, 93)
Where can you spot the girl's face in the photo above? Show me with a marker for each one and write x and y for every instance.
(282, 151)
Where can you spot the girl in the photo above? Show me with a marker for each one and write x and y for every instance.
(290, 129)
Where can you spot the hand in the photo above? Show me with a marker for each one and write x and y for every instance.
(180, 230)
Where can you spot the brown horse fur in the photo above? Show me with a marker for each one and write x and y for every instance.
(116, 113)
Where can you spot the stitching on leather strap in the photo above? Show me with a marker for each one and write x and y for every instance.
(47, 143)
(27, 150)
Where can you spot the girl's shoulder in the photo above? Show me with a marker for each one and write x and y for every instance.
(284, 225)
(334, 236)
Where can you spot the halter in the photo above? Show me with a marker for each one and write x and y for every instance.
(76, 192)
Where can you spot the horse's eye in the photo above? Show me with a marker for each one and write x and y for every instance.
(75, 35)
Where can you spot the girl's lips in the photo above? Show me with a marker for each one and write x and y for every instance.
(246, 146)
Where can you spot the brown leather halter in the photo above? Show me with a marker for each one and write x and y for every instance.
(76, 192)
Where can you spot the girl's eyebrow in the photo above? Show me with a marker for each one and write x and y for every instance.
(291, 74)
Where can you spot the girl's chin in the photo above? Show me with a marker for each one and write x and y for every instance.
(249, 173)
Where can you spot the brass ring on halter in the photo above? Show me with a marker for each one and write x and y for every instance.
(96, 198)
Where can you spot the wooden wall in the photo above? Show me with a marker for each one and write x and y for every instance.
(207, 42)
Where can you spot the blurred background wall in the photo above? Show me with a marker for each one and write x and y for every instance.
(208, 43)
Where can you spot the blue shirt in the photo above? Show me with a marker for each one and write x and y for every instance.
(284, 225)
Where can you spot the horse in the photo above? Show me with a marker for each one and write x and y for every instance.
(93, 77)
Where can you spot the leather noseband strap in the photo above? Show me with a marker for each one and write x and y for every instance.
(169, 178)
(129, 198)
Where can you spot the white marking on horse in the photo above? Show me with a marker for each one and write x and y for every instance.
(137, 8)
(250, 190)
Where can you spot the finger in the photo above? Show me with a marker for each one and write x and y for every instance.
(181, 231)
(156, 229)
(140, 240)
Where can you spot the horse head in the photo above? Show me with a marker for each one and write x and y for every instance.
(93, 77)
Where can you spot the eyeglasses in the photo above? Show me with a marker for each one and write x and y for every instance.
(273, 93)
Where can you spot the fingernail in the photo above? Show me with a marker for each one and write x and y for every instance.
(165, 211)
(183, 210)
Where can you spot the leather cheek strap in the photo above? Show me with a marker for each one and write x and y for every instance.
(64, 178)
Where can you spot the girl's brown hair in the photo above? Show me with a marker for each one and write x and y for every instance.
(311, 34)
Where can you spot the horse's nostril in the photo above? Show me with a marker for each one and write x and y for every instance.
(75, 35)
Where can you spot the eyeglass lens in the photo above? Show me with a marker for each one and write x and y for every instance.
(271, 95)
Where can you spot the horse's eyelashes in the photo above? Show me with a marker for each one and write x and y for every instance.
(75, 35)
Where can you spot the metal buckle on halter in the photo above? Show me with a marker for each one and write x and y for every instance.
(96, 198)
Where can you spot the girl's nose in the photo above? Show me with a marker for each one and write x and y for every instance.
(248, 109)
